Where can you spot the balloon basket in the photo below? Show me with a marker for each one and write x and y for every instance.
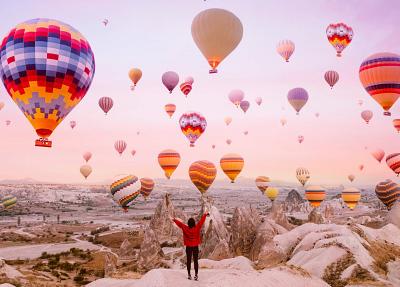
(213, 71)
(43, 142)
(386, 113)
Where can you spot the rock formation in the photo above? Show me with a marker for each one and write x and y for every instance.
(393, 215)
(316, 217)
(151, 254)
(294, 202)
(127, 250)
(279, 216)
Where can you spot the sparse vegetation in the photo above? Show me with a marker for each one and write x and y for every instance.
(333, 272)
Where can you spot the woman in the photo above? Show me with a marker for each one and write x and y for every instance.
(191, 239)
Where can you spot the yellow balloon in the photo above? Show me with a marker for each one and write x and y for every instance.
(232, 164)
(216, 32)
(351, 197)
(135, 75)
(272, 193)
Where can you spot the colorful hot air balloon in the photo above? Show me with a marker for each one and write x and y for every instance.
(170, 79)
(47, 67)
(202, 173)
(133, 152)
(272, 193)
(189, 80)
(339, 35)
(331, 77)
(232, 164)
(393, 162)
(351, 196)
(388, 192)
(258, 101)
(106, 103)
(124, 191)
(244, 105)
(135, 75)
(120, 146)
(170, 109)
(87, 156)
(8, 201)
(380, 76)
(193, 126)
(228, 141)
(315, 194)
(213, 146)
(86, 170)
(228, 120)
(262, 183)
(396, 124)
(285, 48)
(360, 102)
(72, 124)
(300, 139)
(351, 177)
(169, 160)
(146, 186)
(186, 86)
(378, 154)
(236, 97)
(217, 33)
(367, 115)
(303, 175)
(297, 97)
(1, 105)
(283, 121)
(8, 122)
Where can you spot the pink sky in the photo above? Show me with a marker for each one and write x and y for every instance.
(155, 36)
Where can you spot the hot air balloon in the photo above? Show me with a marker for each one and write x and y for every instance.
(120, 146)
(170, 79)
(315, 194)
(105, 22)
(258, 101)
(47, 67)
(300, 139)
(170, 109)
(213, 146)
(303, 175)
(378, 154)
(86, 170)
(124, 191)
(1, 105)
(236, 97)
(217, 33)
(228, 120)
(317, 115)
(246, 133)
(361, 167)
(146, 186)
(297, 97)
(396, 124)
(189, 80)
(360, 102)
(87, 156)
(135, 75)
(351, 197)
(380, 76)
(169, 160)
(262, 183)
(193, 126)
(8, 122)
(393, 161)
(72, 124)
(228, 141)
(339, 35)
(133, 152)
(232, 164)
(244, 105)
(331, 77)
(351, 177)
(283, 122)
(388, 192)
(186, 86)
(202, 174)
(106, 103)
(285, 48)
(366, 115)
(8, 201)
(272, 193)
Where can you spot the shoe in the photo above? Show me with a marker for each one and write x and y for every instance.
(190, 277)
(196, 277)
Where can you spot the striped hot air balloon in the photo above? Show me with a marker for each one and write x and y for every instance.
(232, 164)
(262, 182)
(340, 36)
(170, 109)
(106, 103)
(378, 154)
(396, 124)
(192, 125)
(169, 160)
(302, 175)
(120, 146)
(297, 97)
(315, 194)
(272, 193)
(388, 192)
(8, 201)
(285, 48)
(331, 77)
(146, 186)
(351, 196)
(202, 174)
(186, 86)
(123, 190)
(393, 161)
(380, 76)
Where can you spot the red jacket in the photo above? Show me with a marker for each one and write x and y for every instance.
(191, 236)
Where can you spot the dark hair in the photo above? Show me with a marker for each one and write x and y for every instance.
(191, 222)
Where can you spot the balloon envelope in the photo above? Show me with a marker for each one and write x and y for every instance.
(272, 193)
(8, 201)
(87, 156)
(72, 124)
(192, 125)
(331, 77)
(228, 120)
(297, 98)
(378, 154)
(351, 177)
(302, 175)
(86, 170)
(169, 160)
(123, 190)
(244, 105)
(135, 75)
(258, 100)
(170, 79)
(396, 124)
(285, 48)
(202, 174)
(393, 162)
(236, 97)
(120, 146)
(106, 103)
(170, 109)
(146, 186)
(232, 164)
(315, 194)
(388, 192)
(367, 115)
(351, 196)
(340, 36)
(262, 182)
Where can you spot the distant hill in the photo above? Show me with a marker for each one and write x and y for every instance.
(22, 181)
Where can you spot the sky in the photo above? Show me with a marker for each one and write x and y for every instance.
(155, 36)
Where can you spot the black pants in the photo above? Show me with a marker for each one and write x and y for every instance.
(192, 251)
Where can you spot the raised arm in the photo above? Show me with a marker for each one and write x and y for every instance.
(178, 223)
(201, 222)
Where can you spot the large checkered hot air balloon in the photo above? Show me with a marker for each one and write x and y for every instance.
(47, 67)
(340, 36)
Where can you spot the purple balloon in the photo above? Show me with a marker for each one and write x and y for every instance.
(244, 105)
(170, 79)
(297, 97)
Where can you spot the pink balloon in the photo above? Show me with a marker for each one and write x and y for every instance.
(170, 79)
(87, 156)
(331, 77)
(189, 80)
(300, 139)
(236, 96)
(258, 100)
(246, 133)
(106, 103)
(213, 146)
(361, 167)
(244, 105)
(72, 124)
(228, 141)
(367, 115)
(378, 154)
(8, 122)
(120, 146)
(133, 152)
